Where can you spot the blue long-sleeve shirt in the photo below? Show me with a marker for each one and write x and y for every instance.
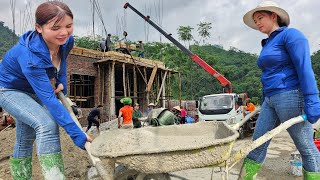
(286, 65)
(28, 67)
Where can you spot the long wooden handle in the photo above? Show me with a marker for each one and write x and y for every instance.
(266, 137)
(96, 162)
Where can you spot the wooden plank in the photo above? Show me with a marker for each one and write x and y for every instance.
(162, 85)
(153, 74)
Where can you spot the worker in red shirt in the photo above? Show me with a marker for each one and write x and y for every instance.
(183, 115)
(126, 113)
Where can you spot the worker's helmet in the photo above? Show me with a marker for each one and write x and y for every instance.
(126, 100)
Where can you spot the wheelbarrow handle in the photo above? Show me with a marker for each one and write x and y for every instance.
(96, 162)
(266, 137)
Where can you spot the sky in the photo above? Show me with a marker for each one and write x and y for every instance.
(228, 29)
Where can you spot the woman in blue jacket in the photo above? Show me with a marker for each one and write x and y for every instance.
(31, 73)
(289, 87)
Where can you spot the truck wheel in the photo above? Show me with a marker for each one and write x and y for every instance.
(123, 173)
(241, 132)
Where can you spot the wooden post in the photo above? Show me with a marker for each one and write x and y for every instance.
(113, 91)
(153, 74)
(135, 94)
(179, 88)
(128, 84)
(162, 85)
(103, 83)
(146, 77)
(99, 84)
(124, 79)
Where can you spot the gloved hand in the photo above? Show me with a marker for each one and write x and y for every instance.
(77, 135)
(312, 108)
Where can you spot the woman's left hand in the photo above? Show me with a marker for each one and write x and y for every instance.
(59, 88)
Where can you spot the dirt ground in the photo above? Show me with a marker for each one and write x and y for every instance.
(76, 162)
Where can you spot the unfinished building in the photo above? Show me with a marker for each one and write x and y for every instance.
(104, 78)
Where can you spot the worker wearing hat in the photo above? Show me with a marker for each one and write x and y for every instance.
(151, 106)
(137, 114)
(126, 113)
(289, 87)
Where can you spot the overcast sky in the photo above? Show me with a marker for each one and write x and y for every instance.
(225, 16)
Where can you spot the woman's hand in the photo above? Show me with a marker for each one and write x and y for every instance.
(59, 88)
(89, 138)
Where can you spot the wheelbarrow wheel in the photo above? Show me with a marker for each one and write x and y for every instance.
(241, 132)
(123, 173)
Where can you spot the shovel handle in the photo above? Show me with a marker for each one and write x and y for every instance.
(96, 162)
(266, 137)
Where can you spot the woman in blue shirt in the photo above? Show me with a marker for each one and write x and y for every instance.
(289, 87)
(31, 73)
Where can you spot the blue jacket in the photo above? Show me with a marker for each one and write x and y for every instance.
(28, 67)
(286, 65)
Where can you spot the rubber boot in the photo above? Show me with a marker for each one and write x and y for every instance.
(249, 170)
(310, 175)
(21, 168)
(52, 166)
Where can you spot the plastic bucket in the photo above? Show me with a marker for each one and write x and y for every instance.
(317, 142)
(296, 164)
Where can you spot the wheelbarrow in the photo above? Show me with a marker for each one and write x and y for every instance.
(152, 152)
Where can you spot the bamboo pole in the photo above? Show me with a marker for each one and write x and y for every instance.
(162, 85)
(103, 83)
(135, 94)
(179, 88)
(124, 79)
(113, 93)
(99, 84)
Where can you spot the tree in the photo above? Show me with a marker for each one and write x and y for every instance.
(203, 30)
(184, 33)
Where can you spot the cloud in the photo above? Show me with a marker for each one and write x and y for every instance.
(225, 16)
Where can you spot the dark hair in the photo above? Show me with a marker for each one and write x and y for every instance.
(279, 20)
(99, 106)
(51, 9)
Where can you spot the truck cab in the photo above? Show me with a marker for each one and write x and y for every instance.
(221, 107)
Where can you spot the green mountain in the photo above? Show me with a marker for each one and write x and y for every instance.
(7, 39)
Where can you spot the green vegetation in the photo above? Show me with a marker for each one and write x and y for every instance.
(7, 39)
(237, 66)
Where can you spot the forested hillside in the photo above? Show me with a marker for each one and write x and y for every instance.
(7, 39)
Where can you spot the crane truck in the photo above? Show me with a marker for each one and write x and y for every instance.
(226, 106)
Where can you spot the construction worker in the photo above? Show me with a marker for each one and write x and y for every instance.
(7, 120)
(183, 115)
(103, 47)
(249, 108)
(141, 49)
(26, 92)
(151, 106)
(289, 88)
(108, 43)
(126, 113)
(137, 114)
(94, 113)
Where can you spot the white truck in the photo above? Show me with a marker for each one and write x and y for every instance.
(227, 107)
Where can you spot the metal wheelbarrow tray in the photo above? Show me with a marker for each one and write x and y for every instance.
(164, 149)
